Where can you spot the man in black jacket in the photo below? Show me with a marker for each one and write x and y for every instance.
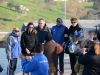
(42, 30)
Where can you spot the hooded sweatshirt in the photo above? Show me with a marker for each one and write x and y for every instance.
(13, 48)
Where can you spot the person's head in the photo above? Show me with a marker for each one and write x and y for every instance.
(59, 21)
(39, 48)
(97, 45)
(15, 31)
(30, 27)
(48, 37)
(74, 21)
(41, 23)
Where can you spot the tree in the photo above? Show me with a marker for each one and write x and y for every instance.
(96, 4)
(76, 9)
(1, 1)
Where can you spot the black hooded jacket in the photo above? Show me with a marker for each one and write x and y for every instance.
(28, 40)
(91, 63)
(41, 34)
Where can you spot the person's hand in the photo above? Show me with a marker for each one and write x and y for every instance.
(9, 58)
(84, 50)
(28, 52)
(22, 56)
(33, 54)
(76, 42)
(66, 35)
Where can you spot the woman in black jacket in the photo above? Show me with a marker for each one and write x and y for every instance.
(73, 57)
(91, 59)
(28, 41)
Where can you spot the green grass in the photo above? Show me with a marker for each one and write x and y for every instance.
(88, 5)
(37, 9)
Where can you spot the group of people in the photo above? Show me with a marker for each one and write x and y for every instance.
(38, 48)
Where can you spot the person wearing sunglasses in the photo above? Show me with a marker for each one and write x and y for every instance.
(73, 57)
(28, 42)
(13, 50)
(42, 29)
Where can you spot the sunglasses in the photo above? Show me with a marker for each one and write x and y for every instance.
(73, 22)
(16, 30)
(30, 27)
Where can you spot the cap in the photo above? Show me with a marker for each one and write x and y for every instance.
(59, 20)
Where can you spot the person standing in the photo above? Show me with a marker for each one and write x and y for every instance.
(50, 53)
(60, 36)
(73, 57)
(38, 65)
(91, 58)
(13, 50)
(28, 41)
(42, 30)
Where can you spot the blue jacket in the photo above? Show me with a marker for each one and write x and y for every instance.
(13, 48)
(58, 34)
(37, 66)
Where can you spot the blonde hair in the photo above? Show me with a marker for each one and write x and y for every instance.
(74, 19)
(96, 47)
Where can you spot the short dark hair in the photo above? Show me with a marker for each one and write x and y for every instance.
(39, 48)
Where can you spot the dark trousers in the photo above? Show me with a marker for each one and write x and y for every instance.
(61, 61)
(73, 59)
(12, 66)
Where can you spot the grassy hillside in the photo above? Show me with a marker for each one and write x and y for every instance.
(37, 9)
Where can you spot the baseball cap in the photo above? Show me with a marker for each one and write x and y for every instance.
(59, 20)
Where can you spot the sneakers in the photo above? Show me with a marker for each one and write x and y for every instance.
(61, 73)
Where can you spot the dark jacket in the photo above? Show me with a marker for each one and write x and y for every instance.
(1, 69)
(73, 29)
(42, 33)
(58, 33)
(50, 53)
(28, 40)
(91, 63)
